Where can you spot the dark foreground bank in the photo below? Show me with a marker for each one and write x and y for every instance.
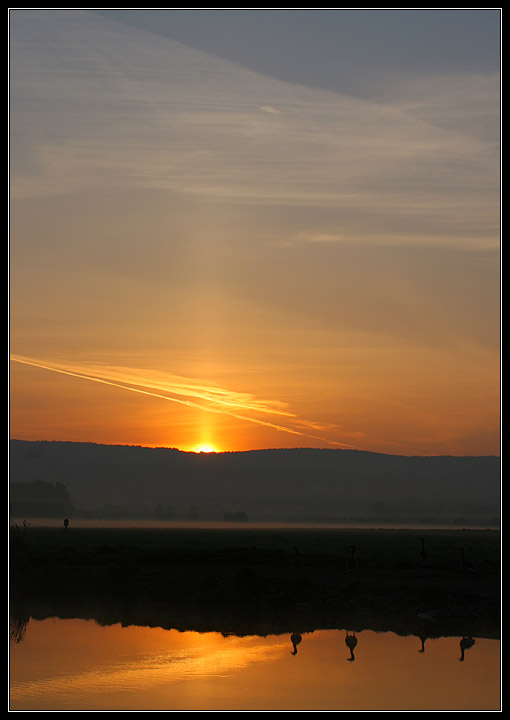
(252, 581)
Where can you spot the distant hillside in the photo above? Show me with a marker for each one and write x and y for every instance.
(288, 485)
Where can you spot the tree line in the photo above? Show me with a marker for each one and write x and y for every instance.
(39, 498)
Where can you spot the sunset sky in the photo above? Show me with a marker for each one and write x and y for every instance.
(243, 229)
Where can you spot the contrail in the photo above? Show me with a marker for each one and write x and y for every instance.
(185, 389)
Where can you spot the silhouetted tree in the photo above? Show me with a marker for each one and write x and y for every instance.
(192, 513)
(237, 516)
(40, 499)
(163, 512)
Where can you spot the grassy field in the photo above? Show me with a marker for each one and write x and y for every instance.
(249, 580)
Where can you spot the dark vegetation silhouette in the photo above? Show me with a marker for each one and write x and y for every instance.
(17, 628)
(38, 498)
(164, 511)
(192, 514)
(295, 485)
(241, 577)
(244, 579)
(18, 535)
(236, 516)
(19, 625)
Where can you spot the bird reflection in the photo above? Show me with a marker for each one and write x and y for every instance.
(351, 642)
(295, 639)
(423, 638)
(465, 644)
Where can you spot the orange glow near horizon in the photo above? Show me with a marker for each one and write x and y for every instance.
(51, 401)
(251, 262)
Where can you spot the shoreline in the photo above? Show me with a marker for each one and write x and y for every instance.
(250, 581)
(150, 524)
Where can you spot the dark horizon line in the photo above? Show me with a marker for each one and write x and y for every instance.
(253, 450)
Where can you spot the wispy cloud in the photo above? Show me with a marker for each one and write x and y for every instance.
(189, 392)
(207, 127)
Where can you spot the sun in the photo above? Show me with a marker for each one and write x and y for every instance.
(204, 448)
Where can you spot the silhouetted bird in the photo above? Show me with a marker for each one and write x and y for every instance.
(351, 642)
(66, 524)
(295, 639)
(352, 562)
(465, 644)
(423, 552)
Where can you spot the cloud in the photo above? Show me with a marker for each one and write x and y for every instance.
(98, 103)
(172, 388)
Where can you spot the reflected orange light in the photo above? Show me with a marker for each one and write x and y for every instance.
(78, 665)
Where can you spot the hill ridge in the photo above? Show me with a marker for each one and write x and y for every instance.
(269, 483)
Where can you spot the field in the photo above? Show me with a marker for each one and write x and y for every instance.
(256, 581)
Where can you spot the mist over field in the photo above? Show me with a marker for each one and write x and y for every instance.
(305, 485)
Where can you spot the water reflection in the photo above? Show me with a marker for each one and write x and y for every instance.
(295, 639)
(80, 665)
(423, 639)
(351, 642)
(17, 629)
(465, 644)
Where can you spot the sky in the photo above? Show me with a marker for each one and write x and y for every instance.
(245, 229)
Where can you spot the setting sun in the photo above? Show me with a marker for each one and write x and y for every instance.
(247, 268)
(204, 448)
(254, 334)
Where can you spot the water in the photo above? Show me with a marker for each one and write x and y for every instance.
(78, 665)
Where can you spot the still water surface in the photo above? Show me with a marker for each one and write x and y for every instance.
(82, 666)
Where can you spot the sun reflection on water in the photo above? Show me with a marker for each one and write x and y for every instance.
(77, 664)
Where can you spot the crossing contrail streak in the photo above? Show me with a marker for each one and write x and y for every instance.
(214, 400)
